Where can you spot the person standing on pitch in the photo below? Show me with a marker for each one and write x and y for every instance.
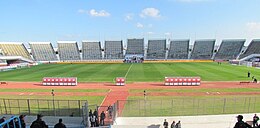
(248, 74)
(144, 95)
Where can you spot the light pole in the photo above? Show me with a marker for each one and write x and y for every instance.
(52, 93)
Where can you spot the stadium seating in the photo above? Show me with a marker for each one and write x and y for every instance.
(91, 50)
(179, 49)
(68, 50)
(114, 50)
(229, 49)
(1, 61)
(14, 49)
(203, 49)
(156, 49)
(253, 48)
(43, 51)
(135, 46)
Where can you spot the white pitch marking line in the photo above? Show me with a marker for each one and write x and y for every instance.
(128, 70)
(21, 93)
(31, 94)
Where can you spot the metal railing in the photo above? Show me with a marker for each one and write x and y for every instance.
(13, 122)
(41, 106)
(187, 106)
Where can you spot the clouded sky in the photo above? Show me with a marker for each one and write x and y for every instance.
(53, 20)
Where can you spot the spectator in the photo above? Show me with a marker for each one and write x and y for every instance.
(3, 120)
(39, 123)
(178, 125)
(93, 121)
(165, 123)
(90, 113)
(96, 115)
(102, 118)
(110, 110)
(21, 117)
(72, 114)
(173, 124)
(255, 121)
(240, 123)
(60, 124)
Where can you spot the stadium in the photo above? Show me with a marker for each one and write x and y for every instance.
(129, 63)
(150, 81)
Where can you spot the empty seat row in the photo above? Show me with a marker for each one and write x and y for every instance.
(14, 49)
(43, 51)
(156, 49)
(203, 49)
(229, 49)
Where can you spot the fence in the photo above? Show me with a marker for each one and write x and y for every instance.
(45, 107)
(188, 106)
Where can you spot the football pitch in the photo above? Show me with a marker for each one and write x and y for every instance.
(146, 72)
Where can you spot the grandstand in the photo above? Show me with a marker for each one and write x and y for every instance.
(14, 49)
(113, 49)
(229, 49)
(135, 46)
(91, 50)
(1, 54)
(43, 51)
(253, 48)
(68, 50)
(203, 49)
(179, 49)
(156, 49)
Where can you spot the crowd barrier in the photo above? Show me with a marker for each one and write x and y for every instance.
(60, 81)
(120, 81)
(182, 81)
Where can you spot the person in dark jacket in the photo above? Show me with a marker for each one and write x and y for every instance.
(240, 123)
(102, 118)
(60, 124)
(21, 117)
(39, 123)
(165, 123)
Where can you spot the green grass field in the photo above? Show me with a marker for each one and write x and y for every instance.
(34, 104)
(133, 72)
(185, 106)
(136, 106)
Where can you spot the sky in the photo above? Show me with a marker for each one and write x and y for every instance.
(99, 20)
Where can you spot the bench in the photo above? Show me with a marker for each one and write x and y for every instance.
(244, 82)
(3, 82)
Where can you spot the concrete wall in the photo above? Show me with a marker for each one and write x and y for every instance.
(210, 121)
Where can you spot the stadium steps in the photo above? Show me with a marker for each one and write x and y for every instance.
(113, 96)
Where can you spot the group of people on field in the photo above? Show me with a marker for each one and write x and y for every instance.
(173, 124)
(95, 120)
